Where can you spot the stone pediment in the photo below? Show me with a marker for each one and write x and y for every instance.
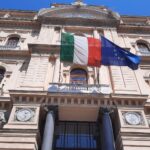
(83, 12)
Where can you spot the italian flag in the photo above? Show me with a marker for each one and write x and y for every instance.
(80, 50)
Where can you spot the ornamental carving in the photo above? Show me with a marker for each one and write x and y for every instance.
(69, 11)
(133, 118)
(24, 114)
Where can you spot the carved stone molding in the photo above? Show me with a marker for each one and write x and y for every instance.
(83, 99)
(132, 117)
(83, 12)
(24, 116)
(84, 15)
(46, 48)
(133, 29)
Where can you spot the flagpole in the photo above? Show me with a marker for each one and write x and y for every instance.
(98, 79)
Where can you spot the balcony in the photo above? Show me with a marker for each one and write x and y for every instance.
(145, 53)
(79, 88)
(9, 47)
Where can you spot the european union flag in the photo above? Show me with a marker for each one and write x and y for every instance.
(112, 54)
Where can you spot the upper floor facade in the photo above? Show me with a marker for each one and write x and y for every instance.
(30, 46)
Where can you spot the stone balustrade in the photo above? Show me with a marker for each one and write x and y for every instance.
(79, 88)
(9, 47)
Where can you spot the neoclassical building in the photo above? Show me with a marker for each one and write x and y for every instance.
(52, 105)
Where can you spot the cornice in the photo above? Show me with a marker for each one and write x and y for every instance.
(4, 99)
(33, 48)
(83, 15)
(145, 59)
(46, 93)
(11, 23)
(14, 53)
(18, 11)
(26, 92)
(43, 48)
(5, 103)
(129, 96)
(137, 29)
(111, 96)
(80, 22)
(67, 11)
(83, 100)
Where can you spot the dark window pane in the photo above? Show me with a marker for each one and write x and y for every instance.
(2, 72)
(13, 41)
(76, 135)
(143, 48)
(78, 76)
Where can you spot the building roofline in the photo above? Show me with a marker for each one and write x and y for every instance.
(19, 10)
(136, 16)
(36, 11)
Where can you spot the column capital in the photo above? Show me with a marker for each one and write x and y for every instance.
(53, 110)
(106, 110)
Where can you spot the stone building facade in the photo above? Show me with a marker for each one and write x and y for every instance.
(38, 91)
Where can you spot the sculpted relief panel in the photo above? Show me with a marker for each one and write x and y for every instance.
(78, 12)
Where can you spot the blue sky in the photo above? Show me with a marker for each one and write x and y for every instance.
(124, 7)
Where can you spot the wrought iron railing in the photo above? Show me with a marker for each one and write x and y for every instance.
(9, 47)
(79, 88)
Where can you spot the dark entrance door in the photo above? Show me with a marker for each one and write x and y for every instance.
(77, 136)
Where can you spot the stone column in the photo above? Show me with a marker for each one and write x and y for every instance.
(107, 131)
(48, 132)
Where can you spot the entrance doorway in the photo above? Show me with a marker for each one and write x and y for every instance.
(77, 136)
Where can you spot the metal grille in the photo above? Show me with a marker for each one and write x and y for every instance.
(143, 48)
(76, 136)
(12, 42)
(78, 76)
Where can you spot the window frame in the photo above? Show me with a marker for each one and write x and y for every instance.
(92, 135)
(145, 48)
(12, 44)
(2, 75)
(78, 75)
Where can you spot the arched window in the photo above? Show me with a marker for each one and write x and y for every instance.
(143, 48)
(78, 76)
(2, 73)
(12, 41)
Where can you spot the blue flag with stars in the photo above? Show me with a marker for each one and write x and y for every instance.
(112, 54)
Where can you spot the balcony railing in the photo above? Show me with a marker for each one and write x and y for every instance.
(145, 53)
(79, 88)
(9, 47)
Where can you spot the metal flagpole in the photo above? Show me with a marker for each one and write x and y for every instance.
(98, 78)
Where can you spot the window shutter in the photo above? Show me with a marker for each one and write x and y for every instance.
(124, 80)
